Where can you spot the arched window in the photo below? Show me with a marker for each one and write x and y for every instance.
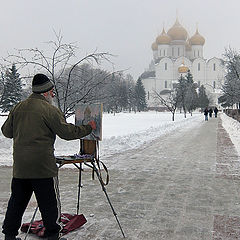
(165, 66)
(148, 95)
(214, 84)
(198, 66)
(198, 52)
(164, 52)
(214, 67)
(165, 84)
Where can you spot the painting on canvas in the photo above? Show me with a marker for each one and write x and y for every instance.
(90, 112)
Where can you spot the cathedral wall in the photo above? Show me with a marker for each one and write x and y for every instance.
(177, 51)
(199, 71)
(197, 51)
(163, 50)
(215, 73)
(188, 54)
(150, 86)
(164, 73)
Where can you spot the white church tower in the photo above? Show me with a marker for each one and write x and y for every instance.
(174, 53)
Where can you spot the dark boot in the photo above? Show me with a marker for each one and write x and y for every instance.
(7, 237)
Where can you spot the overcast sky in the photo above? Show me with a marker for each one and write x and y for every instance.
(125, 28)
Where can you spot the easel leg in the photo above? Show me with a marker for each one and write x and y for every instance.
(79, 186)
(104, 190)
(30, 225)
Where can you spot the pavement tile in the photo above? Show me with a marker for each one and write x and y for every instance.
(182, 186)
(226, 227)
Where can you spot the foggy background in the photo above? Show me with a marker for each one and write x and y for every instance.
(125, 28)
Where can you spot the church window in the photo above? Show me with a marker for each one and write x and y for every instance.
(198, 66)
(165, 66)
(165, 84)
(214, 84)
(214, 67)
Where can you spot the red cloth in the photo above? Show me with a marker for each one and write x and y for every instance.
(70, 223)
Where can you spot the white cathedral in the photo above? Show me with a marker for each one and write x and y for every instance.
(174, 53)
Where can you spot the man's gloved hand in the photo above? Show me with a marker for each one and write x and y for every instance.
(92, 124)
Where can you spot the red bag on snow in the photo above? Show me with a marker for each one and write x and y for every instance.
(70, 223)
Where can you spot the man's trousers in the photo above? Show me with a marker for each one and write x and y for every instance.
(47, 195)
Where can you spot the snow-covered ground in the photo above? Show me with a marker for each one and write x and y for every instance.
(232, 126)
(125, 131)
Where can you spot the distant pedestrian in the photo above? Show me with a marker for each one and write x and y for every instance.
(215, 111)
(210, 111)
(206, 114)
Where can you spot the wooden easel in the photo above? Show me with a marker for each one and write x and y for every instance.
(89, 147)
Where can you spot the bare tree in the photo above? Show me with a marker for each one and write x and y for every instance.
(170, 99)
(61, 66)
(87, 85)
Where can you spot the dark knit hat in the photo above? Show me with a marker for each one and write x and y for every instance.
(41, 83)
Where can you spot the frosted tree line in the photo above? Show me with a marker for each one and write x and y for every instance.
(231, 87)
(76, 80)
(118, 93)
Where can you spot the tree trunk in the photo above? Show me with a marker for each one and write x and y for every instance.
(184, 112)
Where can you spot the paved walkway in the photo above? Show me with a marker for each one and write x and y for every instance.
(182, 186)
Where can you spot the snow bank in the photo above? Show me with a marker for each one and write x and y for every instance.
(232, 127)
(121, 132)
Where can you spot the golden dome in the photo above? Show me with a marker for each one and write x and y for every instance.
(183, 69)
(163, 38)
(197, 39)
(154, 46)
(177, 32)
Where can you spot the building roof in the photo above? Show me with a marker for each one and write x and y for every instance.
(163, 38)
(177, 32)
(197, 39)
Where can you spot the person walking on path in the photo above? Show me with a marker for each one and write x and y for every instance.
(206, 113)
(33, 124)
(210, 111)
(215, 111)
